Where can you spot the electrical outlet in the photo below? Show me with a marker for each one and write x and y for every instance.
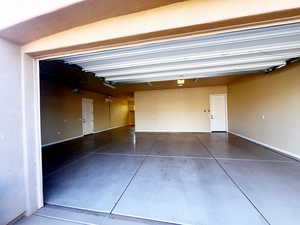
(263, 117)
(58, 132)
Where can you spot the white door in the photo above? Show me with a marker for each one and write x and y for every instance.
(218, 112)
(87, 116)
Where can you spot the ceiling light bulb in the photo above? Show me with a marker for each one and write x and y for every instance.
(180, 82)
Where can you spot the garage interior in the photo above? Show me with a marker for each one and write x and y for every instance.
(200, 130)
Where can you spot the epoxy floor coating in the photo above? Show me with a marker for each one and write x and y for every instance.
(180, 178)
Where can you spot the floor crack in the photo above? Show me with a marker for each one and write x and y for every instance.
(132, 178)
(233, 181)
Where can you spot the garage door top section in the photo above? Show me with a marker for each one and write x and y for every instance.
(247, 51)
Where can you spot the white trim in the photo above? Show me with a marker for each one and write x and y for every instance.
(172, 131)
(83, 101)
(24, 138)
(31, 130)
(226, 111)
(282, 151)
(80, 136)
(38, 141)
(99, 131)
(63, 140)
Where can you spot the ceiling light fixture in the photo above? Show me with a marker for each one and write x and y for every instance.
(180, 82)
(108, 85)
(108, 99)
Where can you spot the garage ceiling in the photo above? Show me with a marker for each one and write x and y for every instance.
(249, 51)
(73, 77)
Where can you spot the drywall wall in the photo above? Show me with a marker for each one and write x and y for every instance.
(119, 112)
(174, 110)
(266, 108)
(13, 196)
(61, 112)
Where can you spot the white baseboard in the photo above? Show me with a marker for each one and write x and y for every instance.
(72, 138)
(63, 140)
(99, 131)
(171, 131)
(285, 152)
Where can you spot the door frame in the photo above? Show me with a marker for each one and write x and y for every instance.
(31, 130)
(31, 124)
(226, 110)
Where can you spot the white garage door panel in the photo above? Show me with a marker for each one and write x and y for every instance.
(238, 52)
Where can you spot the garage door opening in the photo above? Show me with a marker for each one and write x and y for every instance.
(155, 133)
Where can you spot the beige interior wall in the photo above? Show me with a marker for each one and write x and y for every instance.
(266, 108)
(119, 112)
(61, 112)
(175, 110)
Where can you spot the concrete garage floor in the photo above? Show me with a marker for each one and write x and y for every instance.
(178, 178)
